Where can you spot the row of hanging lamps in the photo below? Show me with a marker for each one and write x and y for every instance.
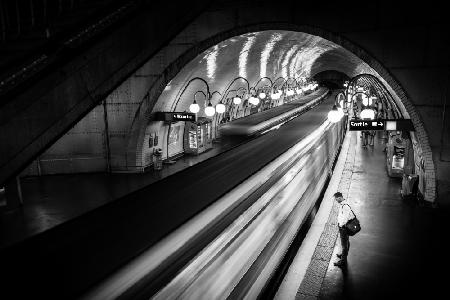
(253, 99)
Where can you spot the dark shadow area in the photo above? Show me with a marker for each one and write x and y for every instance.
(331, 79)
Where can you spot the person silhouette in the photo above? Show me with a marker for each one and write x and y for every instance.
(345, 214)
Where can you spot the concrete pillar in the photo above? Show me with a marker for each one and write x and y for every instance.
(13, 193)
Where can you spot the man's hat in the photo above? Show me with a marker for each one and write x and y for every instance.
(337, 194)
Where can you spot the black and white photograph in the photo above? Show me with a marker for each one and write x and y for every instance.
(224, 149)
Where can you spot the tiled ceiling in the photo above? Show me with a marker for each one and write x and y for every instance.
(254, 55)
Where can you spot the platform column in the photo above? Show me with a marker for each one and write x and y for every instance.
(13, 193)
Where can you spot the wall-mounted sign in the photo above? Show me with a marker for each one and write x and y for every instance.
(174, 116)
(382, 124)
(366, 125)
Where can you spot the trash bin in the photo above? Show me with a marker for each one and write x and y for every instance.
(157, 163)
(409, 185)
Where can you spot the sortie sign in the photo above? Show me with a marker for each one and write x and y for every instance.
(382, 124)
(366, 125)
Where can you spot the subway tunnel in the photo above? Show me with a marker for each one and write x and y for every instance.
(103, 198)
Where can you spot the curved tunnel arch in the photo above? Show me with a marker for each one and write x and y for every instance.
(144, 113)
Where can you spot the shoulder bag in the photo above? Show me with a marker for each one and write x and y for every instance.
(352, 226)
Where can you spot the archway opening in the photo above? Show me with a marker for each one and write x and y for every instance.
(254, 55)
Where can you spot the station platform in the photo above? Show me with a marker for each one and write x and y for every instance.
(400, 251)
(52, 200)
(89, 248)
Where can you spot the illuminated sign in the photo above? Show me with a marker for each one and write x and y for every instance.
(399, 125)
(174, 116)
(366, 125)
(394, 125)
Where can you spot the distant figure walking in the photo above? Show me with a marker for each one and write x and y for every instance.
(371, 137)
(345, 214)
(365, 138)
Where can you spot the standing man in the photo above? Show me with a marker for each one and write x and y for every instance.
(345, 214)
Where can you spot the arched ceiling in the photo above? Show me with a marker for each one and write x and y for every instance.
(270, 53)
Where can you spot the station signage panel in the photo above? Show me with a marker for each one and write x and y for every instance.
(381, 124)
(175, 116)
(356, 124)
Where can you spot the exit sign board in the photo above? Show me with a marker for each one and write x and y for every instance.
(366, 125)
(381, 124)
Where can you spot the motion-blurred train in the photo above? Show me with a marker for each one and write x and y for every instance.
(242, 260)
